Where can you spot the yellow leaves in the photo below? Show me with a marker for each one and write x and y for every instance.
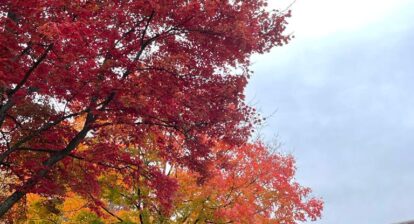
(114, 178)
(32, 198)
(69, 210)
(73, 204)
(129, 216)
(42, 210)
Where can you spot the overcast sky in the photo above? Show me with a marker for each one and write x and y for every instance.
(343, 92)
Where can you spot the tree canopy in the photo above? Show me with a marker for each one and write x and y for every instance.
(100, 96)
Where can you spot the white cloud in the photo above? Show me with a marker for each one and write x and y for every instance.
(315, 18)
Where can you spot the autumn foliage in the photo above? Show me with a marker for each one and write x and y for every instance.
(248, 185)
(137, 108)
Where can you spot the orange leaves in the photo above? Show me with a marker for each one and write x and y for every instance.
(258, 187)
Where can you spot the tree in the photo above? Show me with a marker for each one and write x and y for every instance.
(176, 69)
(248, 185)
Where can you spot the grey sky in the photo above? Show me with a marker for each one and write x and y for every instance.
(344, 94)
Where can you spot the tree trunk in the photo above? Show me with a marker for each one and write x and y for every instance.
(7, 204)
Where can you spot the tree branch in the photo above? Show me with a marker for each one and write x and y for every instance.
(4, 108)
(46, 127)
(53, 159)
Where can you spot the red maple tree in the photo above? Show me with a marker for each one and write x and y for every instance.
(73, 71)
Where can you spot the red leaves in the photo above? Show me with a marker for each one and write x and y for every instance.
(165, 189)
(95, 85)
